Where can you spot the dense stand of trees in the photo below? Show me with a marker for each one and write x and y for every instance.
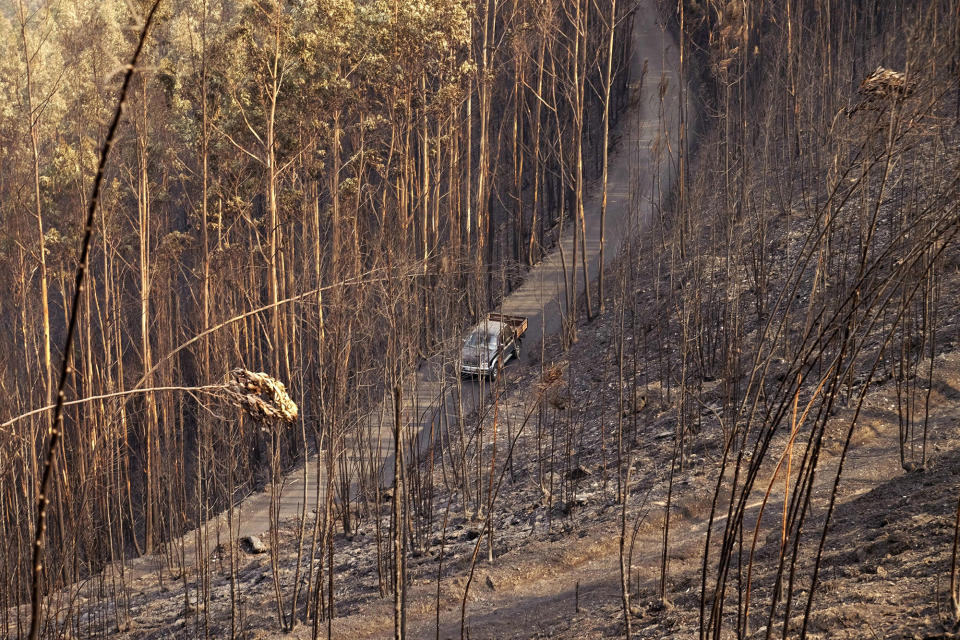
(324, 191)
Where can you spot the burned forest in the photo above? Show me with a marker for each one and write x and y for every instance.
(489, 318)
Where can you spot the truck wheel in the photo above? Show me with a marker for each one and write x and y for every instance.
(493, 373)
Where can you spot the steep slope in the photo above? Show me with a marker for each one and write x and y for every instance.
(775, 376)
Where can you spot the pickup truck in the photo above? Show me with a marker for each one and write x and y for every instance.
(495, 339)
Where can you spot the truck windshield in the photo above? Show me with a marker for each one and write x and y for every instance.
(477, 340)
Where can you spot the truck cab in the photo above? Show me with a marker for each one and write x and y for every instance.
(496, 337)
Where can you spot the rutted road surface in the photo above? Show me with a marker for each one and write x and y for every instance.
(640, 168)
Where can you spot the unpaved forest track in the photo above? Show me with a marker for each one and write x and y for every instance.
(640, 170)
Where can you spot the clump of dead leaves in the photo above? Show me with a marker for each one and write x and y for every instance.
(260, 395)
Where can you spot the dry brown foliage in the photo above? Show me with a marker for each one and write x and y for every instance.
(260, 395)
(886, 83)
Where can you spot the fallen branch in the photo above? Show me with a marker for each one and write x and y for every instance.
(244, 389)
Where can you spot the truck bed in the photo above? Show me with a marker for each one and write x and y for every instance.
(517, 323)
